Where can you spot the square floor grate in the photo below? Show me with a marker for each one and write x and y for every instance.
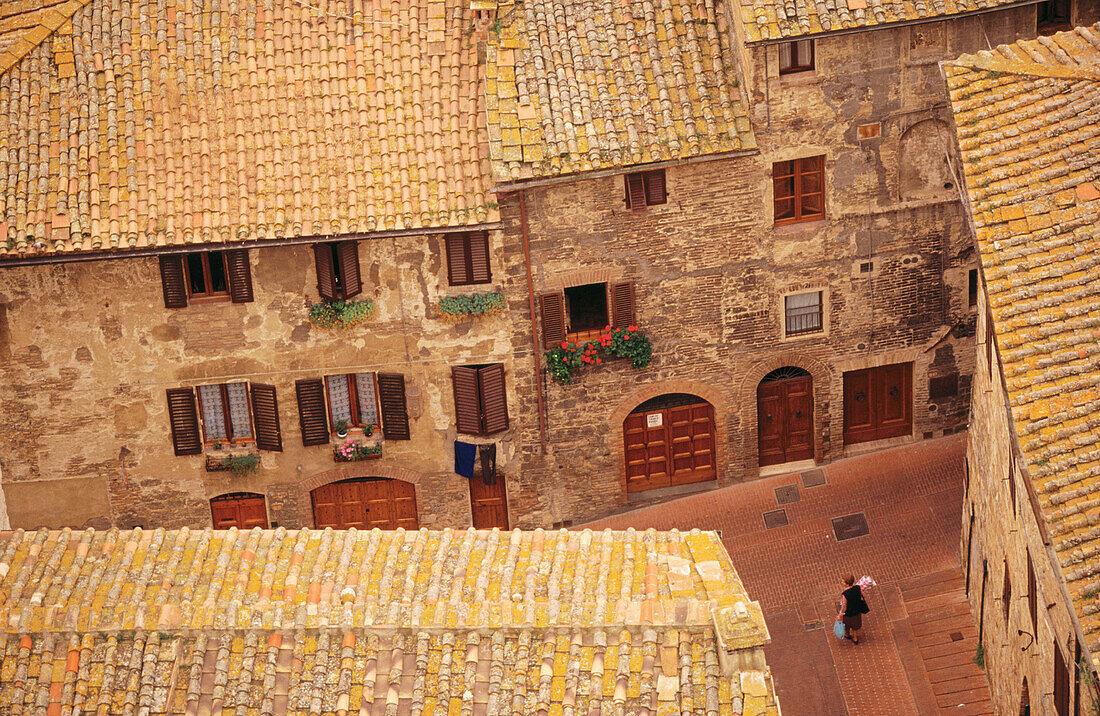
(786, 494)
(813, 478)
(812, 626)
(775, 518)
(850, 526)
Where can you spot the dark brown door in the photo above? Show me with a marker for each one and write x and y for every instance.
(241, 510)
(671, 446)
(365, 503)
(785, 411)
(878, 403)
(489, 504)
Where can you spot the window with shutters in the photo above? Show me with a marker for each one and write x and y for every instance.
(582, 312)
(799, 190)
(224, 413)
(468, 259)
(481, 406)
(586, 310)
(205, 276)
(796, 56)
(361, 399)
(352, 397)
(803, 313)
(338, 269)
(645, 189)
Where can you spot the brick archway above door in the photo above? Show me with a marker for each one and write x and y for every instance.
(364, 468)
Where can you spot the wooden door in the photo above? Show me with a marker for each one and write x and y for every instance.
(365, 504)
(785, 412)
(671, 446)
(489, 504)
(241, 510)
(878, 403)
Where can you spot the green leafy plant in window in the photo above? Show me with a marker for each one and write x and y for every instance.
(629, 342)
(242, 465)
(471, 305)
(341, 314)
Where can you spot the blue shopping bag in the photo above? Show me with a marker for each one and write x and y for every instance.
(838, 629)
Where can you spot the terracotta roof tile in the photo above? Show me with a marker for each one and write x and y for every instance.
(319, 622)
(1028, 123)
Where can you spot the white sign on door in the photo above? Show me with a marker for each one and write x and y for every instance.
(654, 420)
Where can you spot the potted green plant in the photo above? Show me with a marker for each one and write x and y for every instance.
(341, 427)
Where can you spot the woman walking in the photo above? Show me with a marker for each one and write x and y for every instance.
(852, 609)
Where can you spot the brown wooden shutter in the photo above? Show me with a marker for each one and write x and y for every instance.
(655, 187)
(553, 319)
(184, 419)
(326, 277)
(621, 298)
(173, 281)
(635, 191)
(311, 411)
(395, 414)
(479, 258)
(467, 404)
(347, 253)
(457, 275)
(240, 277)
(265, 414)
(494, 399)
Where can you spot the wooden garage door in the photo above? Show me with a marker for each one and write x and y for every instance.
(878, 403)
(670, 446)
(365, 503)
(243, 510)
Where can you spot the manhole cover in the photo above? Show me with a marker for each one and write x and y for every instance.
(849, 526)
(956, 636)
(775, 518)
(813, 478)
(786, 494)
(812, 626)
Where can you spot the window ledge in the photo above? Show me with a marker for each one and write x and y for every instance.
(217, 458)
(795, 79)
(799, 227)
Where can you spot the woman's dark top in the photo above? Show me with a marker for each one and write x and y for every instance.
(853, 601)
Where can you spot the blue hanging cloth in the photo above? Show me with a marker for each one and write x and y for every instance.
(465, 456)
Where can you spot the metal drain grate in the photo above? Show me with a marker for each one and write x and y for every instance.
(775, 518)
(812, 626)
(786, 494)
(813, 478)
(850, 526)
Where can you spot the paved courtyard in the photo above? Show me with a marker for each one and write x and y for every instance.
(916, 650)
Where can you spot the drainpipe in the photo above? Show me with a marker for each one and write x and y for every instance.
(534, 326)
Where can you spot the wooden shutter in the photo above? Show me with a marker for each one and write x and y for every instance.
(635, 191)
(326, 277)
(479, 258)
(311, 411)
(467, 404)
(240, 277)
(347, 253)
(457, 275)
(494, 400)
(621, 299)
(655, 187)
(184, 419)
(265, 415)
(173, 281)
(395, 414)
(553, 319)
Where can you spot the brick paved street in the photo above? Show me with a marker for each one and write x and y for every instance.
(916, 649)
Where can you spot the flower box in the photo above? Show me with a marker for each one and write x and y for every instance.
(352, 451)
(612, 344)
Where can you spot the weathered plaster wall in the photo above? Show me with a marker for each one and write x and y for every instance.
(87, 351)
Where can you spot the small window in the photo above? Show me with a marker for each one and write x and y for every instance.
(803, 313)
(645, 189)
(989, 345)
(338, 269)
(972, 287)
(225, 412)
(799, 186)
(481, 406)
(352, 398)
(1052, 15)
(1032, 595)
(1006, 594)
(468, 259)
(582, 312)
(586, 309)
(206, 276)
(797, 56)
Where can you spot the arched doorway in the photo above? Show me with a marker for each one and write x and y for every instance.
(669, 440)
(365, 503)
(243, 510)
(785, 414)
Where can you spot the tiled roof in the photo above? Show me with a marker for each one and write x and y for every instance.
(335, 622)
(26, 23)
(158, 122)
(777, 19)
(1028, 122)
(578, 85)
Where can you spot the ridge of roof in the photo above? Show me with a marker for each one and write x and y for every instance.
(23, 31)
(1070, 54)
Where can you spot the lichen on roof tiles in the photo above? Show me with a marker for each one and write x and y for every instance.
(578, 85)
(1028, 123)
(147, 124)
(309, 622)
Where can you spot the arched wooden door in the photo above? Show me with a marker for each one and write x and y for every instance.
(365, 503)
(785, 415)
(669, 440)
(243, 510)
